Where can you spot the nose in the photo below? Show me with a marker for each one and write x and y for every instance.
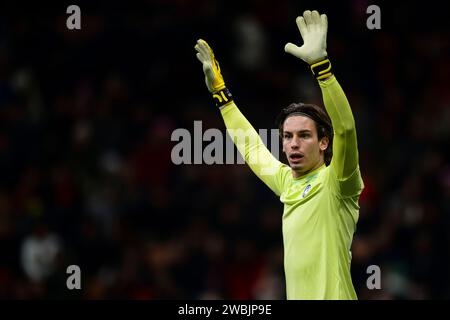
(295, 143)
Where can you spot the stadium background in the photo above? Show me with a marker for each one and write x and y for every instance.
(86, 176)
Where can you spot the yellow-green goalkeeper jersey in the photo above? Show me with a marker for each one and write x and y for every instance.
(320, 208)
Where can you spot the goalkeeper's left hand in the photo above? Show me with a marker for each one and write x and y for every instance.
(313, 29)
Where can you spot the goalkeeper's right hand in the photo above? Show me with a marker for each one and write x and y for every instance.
(213, 77)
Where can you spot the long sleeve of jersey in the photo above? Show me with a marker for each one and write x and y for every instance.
(345, 150)
(252, 148)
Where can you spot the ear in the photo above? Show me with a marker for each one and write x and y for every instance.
(323, 144)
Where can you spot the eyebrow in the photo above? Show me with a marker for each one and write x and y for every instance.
(301, 131)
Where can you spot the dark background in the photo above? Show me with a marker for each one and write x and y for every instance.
(86, 118)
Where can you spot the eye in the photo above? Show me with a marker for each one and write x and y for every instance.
(286, 136)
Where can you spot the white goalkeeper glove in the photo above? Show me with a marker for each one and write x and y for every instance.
(313, 29)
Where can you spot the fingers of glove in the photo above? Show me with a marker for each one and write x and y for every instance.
(291, 48)
(315, 16)
(301, 26)
(204, 53)
(205, 49)
(315, 19)
(324, 22)
(200, 57)
(206, 45)
(201, 50)
(308, 18)
(198, 46)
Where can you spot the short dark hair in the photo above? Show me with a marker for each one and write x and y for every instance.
(318, 115)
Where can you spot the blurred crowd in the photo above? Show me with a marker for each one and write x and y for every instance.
(86, 176)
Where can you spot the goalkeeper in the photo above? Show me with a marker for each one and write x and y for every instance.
(321, 186)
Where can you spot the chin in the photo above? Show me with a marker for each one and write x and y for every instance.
(297, 167)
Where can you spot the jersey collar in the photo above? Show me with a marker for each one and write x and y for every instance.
(309, 174)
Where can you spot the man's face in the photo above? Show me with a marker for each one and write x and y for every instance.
(303, 149)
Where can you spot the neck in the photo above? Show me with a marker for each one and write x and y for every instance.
(298, 174)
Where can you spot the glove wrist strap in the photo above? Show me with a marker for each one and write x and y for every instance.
(321, 69)
(222, 97)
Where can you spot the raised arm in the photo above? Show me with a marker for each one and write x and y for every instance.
(345, 149)
(313, 29)
(244, 136)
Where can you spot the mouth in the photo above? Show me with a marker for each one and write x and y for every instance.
(296, 157)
